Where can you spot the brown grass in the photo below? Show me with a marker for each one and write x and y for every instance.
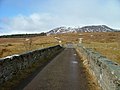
(106, 43)
(10, 46)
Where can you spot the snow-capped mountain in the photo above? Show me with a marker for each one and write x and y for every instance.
(60, 30)
(97, 28)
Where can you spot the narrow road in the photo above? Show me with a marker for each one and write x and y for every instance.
(64, 72)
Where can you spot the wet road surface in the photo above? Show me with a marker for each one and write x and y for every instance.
(64, 72)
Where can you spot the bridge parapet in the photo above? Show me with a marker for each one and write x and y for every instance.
(10, 65)
(106, 72)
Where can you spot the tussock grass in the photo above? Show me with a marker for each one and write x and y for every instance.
(110, 50)
(10, 46)
(107, 43)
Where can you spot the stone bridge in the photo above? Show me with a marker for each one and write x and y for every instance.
(66, 71)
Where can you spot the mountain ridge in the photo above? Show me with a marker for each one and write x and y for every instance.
(92, 28)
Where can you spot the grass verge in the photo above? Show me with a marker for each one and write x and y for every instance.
(91, 80)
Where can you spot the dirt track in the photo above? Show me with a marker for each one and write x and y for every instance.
(64, 72)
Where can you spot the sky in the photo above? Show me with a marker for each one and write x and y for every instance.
(35, 16)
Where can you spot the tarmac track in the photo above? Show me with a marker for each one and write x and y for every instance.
(64, 72)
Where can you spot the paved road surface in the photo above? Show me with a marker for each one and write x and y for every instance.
(63, 73)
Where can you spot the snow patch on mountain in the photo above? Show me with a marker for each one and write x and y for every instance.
(93, 28)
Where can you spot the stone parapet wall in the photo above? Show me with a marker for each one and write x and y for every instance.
(106, 72)
(10, 65)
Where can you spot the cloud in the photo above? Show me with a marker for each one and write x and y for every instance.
(54, 13)
(84, 12)
(32, 23)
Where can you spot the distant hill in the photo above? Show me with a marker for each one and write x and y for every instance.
(97, 28)
(23, 35)
(60, 30)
